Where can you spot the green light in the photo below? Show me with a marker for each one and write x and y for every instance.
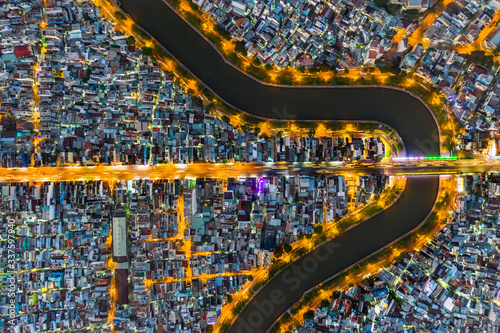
(440, 157)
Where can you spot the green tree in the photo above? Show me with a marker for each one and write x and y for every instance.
(325, 303)
(256, 130)
(240, 48)
(268, 67)
(175, 3)
(245, 127)
(308, 315)
(285, 79)
(384, 69)
(380, 3)
(256, 62)
(194, 7)
(147, 51)
(119, 15)
(141, 32)
(222, 32)
(88, 72)
(159, 51)
(287, 247)
(346, 71)
(193, 19)
(301, 69)
(233, 57)
(318, 229)
(324, 67)
(278, 252)
(131, 40)
(412, 12)
(480, 58)
(225, 119)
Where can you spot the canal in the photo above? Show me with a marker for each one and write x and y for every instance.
(398, 109)
(403, 112)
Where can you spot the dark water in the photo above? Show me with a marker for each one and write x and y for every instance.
(400, 110)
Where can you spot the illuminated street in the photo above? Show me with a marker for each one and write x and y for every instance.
(235, 170)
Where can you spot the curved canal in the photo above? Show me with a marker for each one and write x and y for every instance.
(405, 113)
(398, 109)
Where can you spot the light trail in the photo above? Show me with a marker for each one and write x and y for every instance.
(410, 166)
